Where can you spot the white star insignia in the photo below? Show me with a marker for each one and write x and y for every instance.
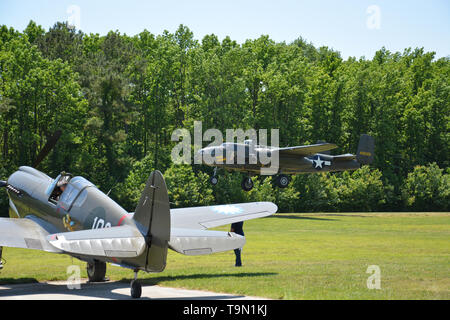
(318, 162)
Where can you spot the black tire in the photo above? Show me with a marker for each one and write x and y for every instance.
(283, 181)
(214, 180)
(247, 184)
(136, 289)
(96, 271)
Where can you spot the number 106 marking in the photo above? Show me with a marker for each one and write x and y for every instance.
(100, 223)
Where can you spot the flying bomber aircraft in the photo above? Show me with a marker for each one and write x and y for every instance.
(291, 160)
(69, 215)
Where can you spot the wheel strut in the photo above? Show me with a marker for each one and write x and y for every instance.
(214, 179)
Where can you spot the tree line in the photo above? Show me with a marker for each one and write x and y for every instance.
(118, 98)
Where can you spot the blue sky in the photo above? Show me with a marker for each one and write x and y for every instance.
(353, 27)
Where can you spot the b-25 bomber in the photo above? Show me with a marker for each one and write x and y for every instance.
(247, 157)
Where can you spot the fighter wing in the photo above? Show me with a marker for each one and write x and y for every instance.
(306, 150)
(24, 233)
(120, 242)
(202, 218)
(194, 242)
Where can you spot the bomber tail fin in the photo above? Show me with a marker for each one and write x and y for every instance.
(366, 149)
(153, 216)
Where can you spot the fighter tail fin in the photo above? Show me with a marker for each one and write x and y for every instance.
(153, 215)
(366, 149)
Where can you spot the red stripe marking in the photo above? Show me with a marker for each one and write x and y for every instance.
(121, 220)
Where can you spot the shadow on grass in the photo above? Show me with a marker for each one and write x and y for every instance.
(57, 291)
(318, 216)
(290, 216)
(6, 281)
(156, 280)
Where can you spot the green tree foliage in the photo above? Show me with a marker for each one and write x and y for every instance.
(131, 189)
(118, 99)
(427, 188)
(187, 189)
(360, 190)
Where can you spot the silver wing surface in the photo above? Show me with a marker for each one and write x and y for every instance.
(118, 242)
(24, 233)
(123, 241)
(193, 242)
(190, 237)
(202, 218)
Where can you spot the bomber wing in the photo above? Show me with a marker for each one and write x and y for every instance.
(306, 150)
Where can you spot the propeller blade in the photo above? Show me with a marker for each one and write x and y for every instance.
(51, 142)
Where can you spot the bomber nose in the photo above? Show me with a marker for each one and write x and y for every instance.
(200, 154)
(207, 155)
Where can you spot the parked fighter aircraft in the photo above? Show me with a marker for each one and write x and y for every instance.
(291, 160)
(70, 215)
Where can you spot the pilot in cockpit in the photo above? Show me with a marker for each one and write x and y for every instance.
(62, 185)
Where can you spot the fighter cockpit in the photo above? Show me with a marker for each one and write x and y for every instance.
(67, 191)
(58, 186)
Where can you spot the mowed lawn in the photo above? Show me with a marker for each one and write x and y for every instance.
(296, 256)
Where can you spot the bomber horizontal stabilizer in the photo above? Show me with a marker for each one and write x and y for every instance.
(307, 150)
(344, 157)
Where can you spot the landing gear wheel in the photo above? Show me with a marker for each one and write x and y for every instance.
(282, 181)
(214, 180)
(247, 184)
(96, 271)
(136, 289)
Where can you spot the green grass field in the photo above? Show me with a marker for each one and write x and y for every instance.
(297, 256)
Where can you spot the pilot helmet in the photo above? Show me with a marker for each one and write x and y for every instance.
(63, 181)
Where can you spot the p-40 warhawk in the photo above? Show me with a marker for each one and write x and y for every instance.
(247, 157)
(69, 215)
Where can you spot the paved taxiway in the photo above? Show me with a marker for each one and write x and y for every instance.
(110, 290)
